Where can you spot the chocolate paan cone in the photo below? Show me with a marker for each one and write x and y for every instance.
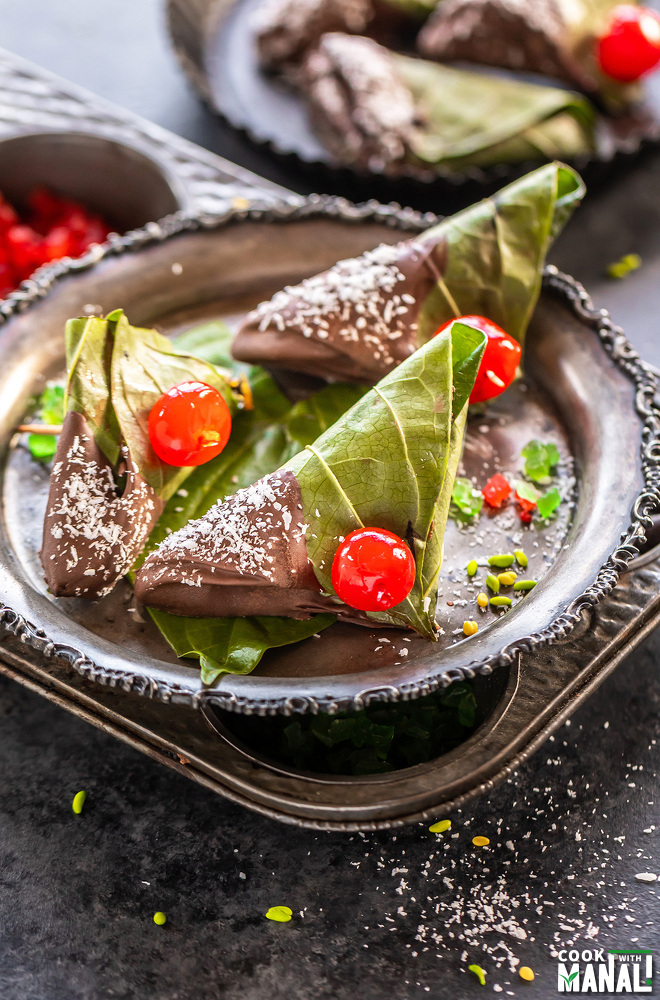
(551, 37)
(364, 316)
(92, 535)
(389, 462)
(354, 322)
(246, 556)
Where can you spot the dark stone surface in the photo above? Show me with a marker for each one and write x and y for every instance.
(78, 893)
(76, 910)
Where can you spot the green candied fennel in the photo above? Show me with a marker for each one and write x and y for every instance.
(390, 462)
(472, 119)
(496, 249)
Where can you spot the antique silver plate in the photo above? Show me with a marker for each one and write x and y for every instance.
(586, 386)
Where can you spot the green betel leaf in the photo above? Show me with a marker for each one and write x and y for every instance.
(473, 119)
(485, 261)
(496, 250)
(232, 645)
(210, 341)
(262, 440)
(51, 404)
(89, 346)
(312, 417)
(144, 366)
(390, 462)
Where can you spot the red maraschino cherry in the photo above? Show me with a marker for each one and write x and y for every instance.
(373, 570)
(630, 44)
(500, 359)
(190, 424)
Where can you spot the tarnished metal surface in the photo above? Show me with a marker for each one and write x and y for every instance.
(542, 690)
(226, 265)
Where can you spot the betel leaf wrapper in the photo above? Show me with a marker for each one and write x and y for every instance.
(469, 119)
(374, 109)
(107, 488)
(389, 462)
(263, 438)
(364, 316)
(551, 37)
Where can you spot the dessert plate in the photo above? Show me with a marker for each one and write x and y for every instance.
(586, 388)
(214, 41)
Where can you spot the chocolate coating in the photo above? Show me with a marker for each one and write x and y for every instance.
(92, 536)
(361, 110)
(355, 322)
(530, 35)
(246, 556)
(285, 29)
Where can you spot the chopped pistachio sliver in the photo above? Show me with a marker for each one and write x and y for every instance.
(493, 583)
(508, 578)
(521, 558)
(472, 567)
(502, 561)
(281, 914)
(441, 826)
(501, 602)
(621, 268)
(479, 973)
(78, 802)
(524, 585)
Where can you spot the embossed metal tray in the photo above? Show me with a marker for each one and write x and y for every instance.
(532, 698)
(54, 132)
(214, 40)
(527, 698)
(225, 266)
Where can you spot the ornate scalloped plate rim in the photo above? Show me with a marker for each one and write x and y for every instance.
(620, 149)
(574, 295)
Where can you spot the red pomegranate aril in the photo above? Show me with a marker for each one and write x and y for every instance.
(95, 232)
(24, 247)
(8, 216)
(57, 243)
(189, 425)
(373, 570)
(499, 362)
(7, 279)
(497, 490)
(630, 45)
(43, 203)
